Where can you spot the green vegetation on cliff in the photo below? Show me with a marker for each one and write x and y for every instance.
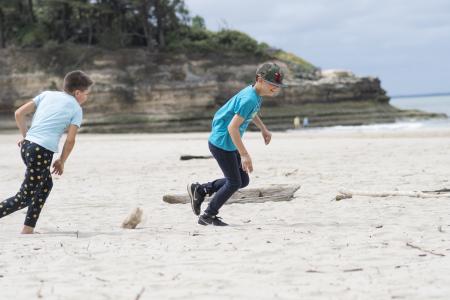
(158, 25)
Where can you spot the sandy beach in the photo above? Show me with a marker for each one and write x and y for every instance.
(309, 248)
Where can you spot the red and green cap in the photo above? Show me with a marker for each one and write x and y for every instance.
(271, 73)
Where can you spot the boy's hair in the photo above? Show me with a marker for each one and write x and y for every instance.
(77, 80)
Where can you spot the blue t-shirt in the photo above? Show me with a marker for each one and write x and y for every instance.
(246, 104)
(55, 111)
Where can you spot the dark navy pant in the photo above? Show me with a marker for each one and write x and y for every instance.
(36, 186)
(224, 188)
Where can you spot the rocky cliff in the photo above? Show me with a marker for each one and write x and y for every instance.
(140, 92)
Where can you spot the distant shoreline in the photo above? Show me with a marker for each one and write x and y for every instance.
(421, 95)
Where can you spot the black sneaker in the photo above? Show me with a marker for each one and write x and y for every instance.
(196, 198)
(211, 220)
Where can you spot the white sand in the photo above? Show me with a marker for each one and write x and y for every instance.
(290, 250)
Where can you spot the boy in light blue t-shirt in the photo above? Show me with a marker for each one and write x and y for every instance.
(54, 112)
(225, 143)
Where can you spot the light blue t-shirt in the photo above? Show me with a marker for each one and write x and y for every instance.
(55, 111)
(246, 104)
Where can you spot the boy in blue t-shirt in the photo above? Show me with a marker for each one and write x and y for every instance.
(225, 143)
(54, 112)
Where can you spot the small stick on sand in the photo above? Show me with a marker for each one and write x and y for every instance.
(133, 219)
(441, 191)
(290, 173)
(138, 296)
(188, 157)
(424, 250)
(346, 194)
(353, 270)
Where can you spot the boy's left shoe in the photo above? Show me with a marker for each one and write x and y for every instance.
(206, 220)
(195, 196)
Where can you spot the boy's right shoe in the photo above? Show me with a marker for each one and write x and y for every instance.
(195, 196)
(211, 220)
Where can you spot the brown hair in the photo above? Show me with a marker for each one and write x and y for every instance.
(77, 80)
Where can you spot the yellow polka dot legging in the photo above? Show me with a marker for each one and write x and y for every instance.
(36, 186)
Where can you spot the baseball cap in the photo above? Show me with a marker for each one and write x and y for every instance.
(272, 73)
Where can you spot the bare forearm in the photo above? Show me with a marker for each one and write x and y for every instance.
(236, 138)
(67, 149)
(259, 123)
(20, 116)
(21, 124)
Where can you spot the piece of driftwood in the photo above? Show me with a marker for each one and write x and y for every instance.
(138, 296)
(346, 194)
(275, 193)
(188, 157)
(445, 190)
(133, 219)
(424, 250)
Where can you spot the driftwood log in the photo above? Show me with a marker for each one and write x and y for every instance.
(275, 193)
(347, 194)
(133, 219)
(188, 157)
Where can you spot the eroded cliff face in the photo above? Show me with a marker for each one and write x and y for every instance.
(140, 92)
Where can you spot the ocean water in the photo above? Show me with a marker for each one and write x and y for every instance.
(436, 104)
(398, 126)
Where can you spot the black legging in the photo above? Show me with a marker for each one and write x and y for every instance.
(36, 186)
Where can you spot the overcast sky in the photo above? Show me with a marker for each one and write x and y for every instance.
(406, 43)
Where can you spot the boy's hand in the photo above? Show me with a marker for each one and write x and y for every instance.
(267, 136)
(246, 162)
(20, 142)
(58, 167)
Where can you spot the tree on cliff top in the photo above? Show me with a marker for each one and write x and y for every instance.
(113, 24)
(109, 23)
